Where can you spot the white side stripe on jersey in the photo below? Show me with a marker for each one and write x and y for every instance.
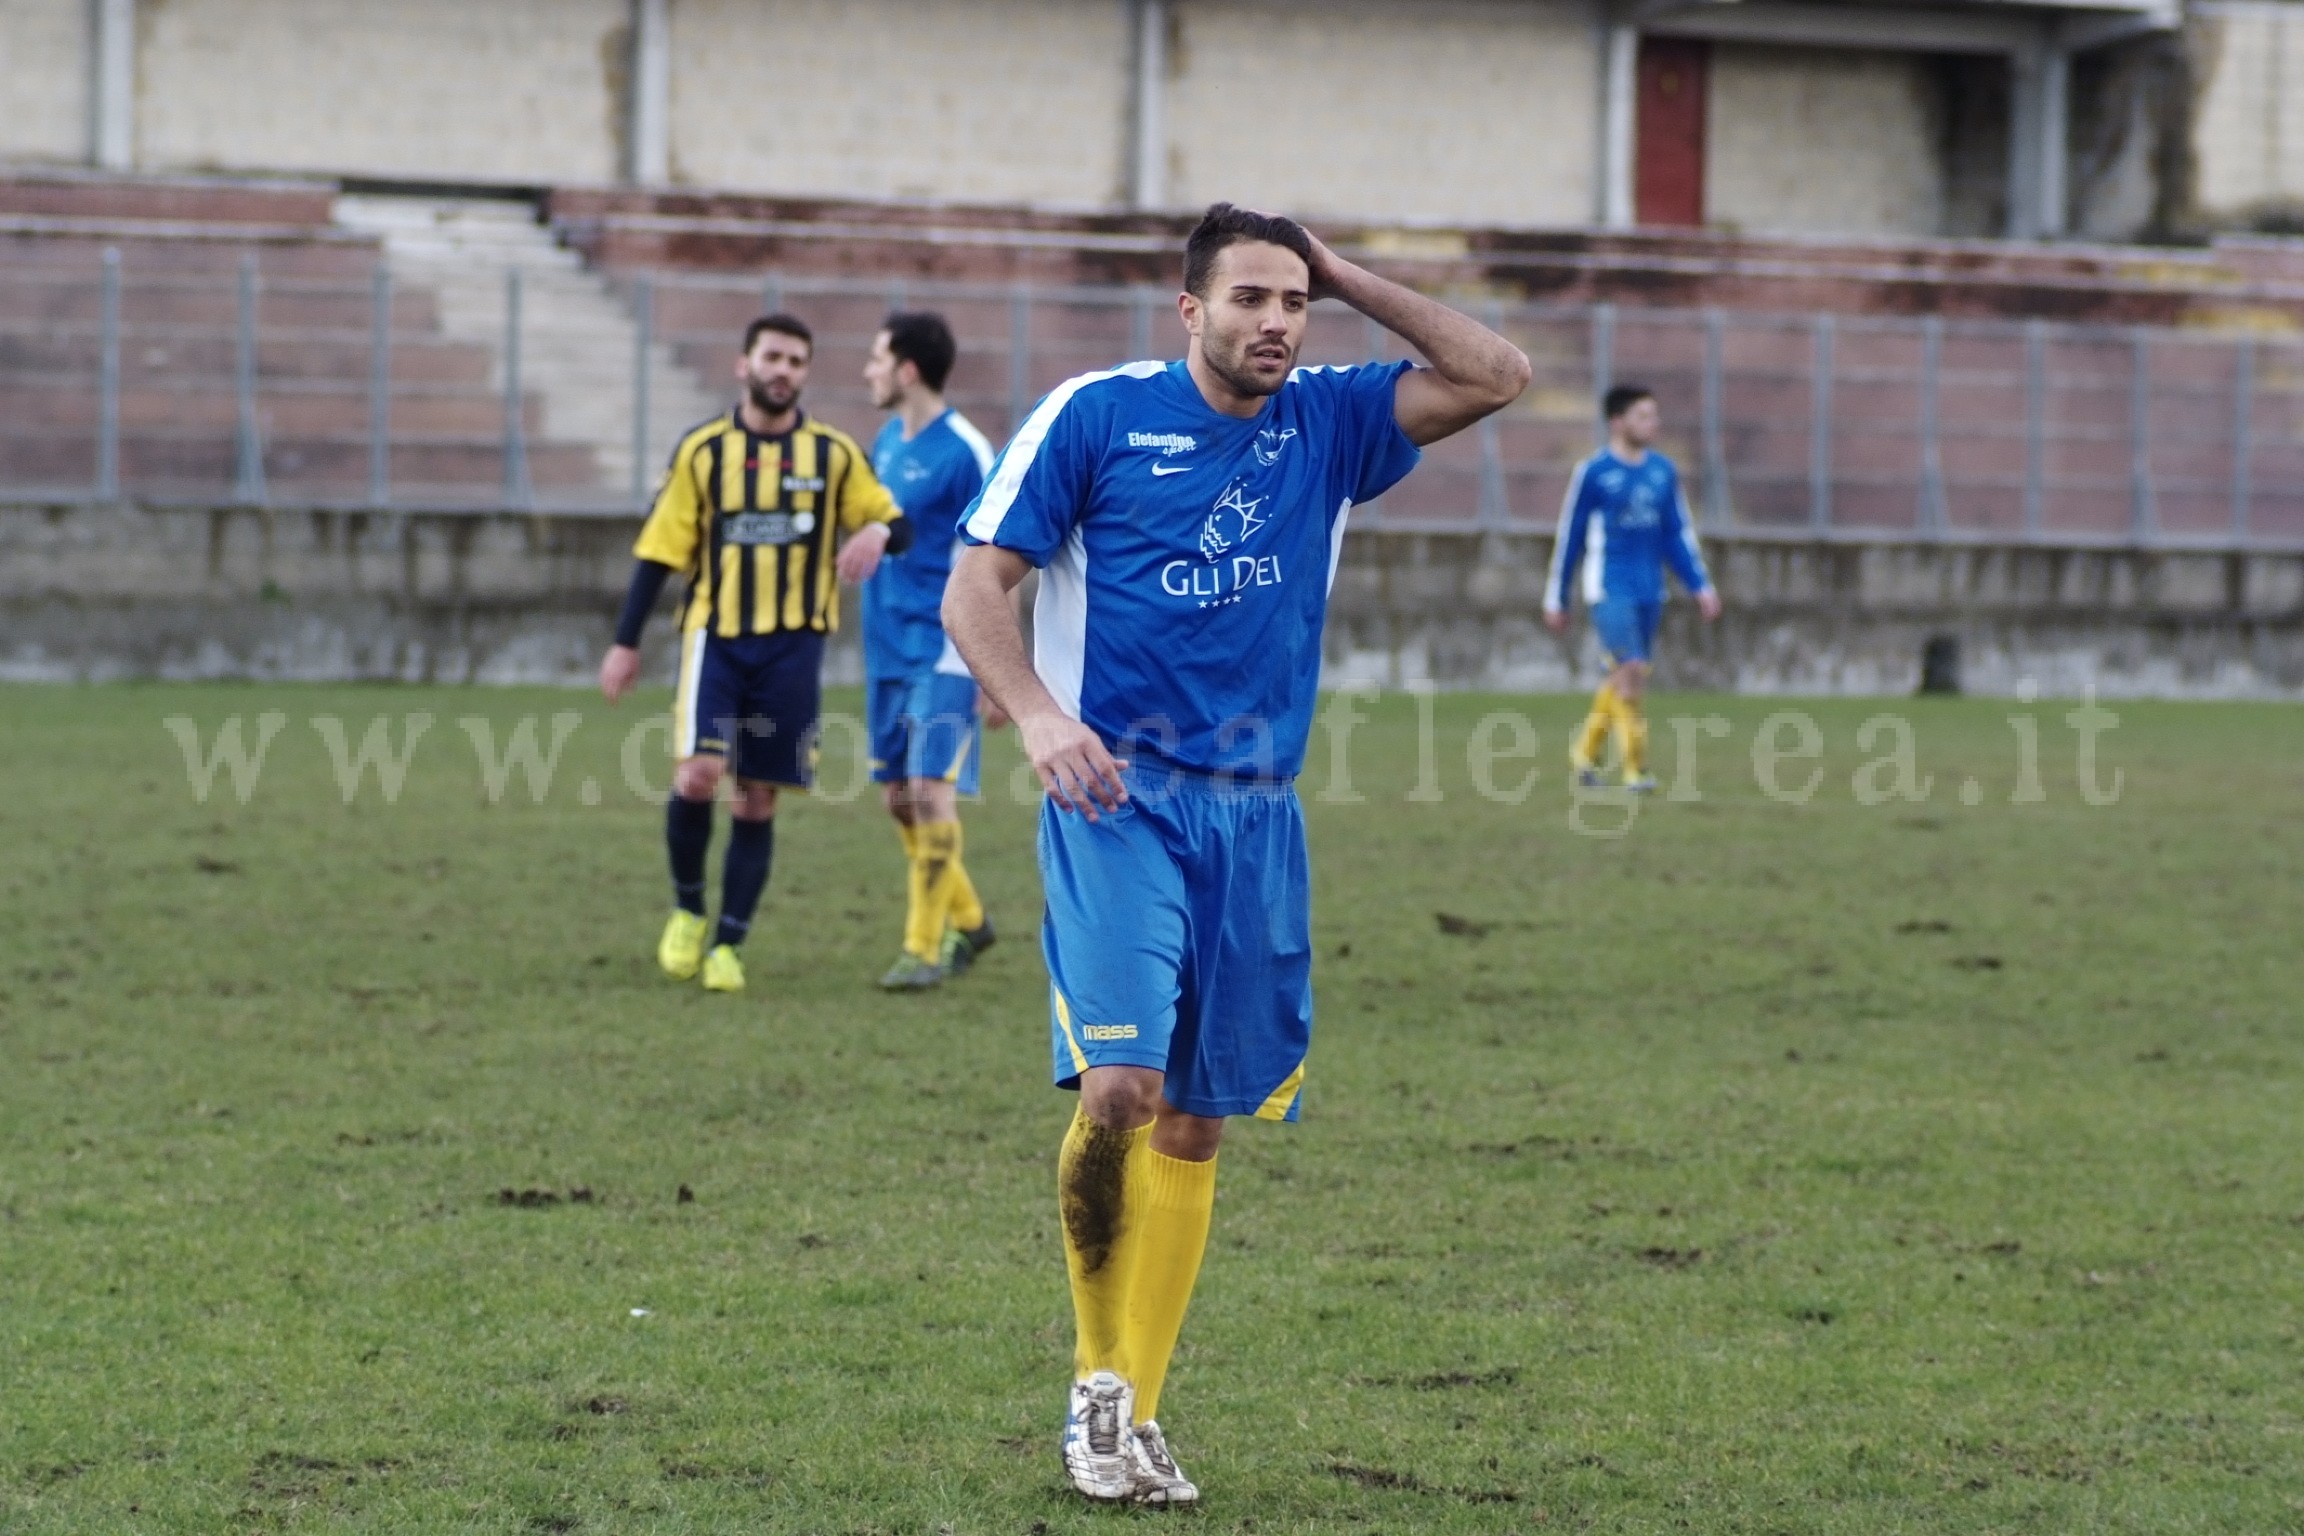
(1555, 583)
(978, 443)
(1000, 495)
(1060, 623)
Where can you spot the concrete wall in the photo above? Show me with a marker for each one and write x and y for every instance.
(1816, 140)
(1464, 111)
(970, 100)
(507, 90)
(45, 77)
(2248, 117)
(111, 592)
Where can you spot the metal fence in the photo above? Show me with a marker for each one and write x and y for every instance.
(320, 377)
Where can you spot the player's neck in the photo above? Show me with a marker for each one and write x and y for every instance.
(1630, 452)
(1221, 397)
(761, 424)
(918, 410)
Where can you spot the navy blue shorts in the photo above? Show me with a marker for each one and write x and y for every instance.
(1627, 628)
(752, 700)
(1178, 936)
(923, 727)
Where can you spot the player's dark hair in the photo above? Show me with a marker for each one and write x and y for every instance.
(921, 338)
(783, 325)
(1224, 225)
(1622, 397)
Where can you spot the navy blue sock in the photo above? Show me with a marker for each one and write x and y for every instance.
(688, 836)
(743, 876)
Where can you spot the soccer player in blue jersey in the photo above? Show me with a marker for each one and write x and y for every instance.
(1624, 520)
(1187, 518)
(920, 702)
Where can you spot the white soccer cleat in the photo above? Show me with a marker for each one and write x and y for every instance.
(1099, 1451)
(1158, 1479)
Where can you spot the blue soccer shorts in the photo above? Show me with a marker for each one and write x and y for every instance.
(1178, 936)
(1626, 627)
(752, 700)
(924, 727)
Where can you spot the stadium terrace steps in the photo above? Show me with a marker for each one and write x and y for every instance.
(2233, 281)
(578, 337)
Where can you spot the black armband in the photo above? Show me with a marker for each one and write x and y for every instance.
(648, 578)
(901, 533)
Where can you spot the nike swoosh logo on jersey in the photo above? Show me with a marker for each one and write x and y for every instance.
(1172, 469)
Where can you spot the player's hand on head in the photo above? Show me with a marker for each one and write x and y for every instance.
(1074, 767)
(619, 669)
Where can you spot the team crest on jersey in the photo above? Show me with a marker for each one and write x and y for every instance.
(1230, 521)
(1269, 443)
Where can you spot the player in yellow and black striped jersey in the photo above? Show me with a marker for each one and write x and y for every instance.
(753, 510)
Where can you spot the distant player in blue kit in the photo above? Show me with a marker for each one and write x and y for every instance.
(1624, 520)
(919, 700)
(1187, 518)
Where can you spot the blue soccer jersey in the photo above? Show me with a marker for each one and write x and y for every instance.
(1621, 524)
(933, 476)
(1187, 554)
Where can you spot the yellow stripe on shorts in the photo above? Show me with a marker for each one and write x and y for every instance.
(1064, 1018)
(1276, 1107)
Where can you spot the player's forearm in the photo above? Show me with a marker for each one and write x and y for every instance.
(981, 620)
(1460, 349)
(648, 578)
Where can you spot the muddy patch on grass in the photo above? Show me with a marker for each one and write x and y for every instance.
(1386, 1479)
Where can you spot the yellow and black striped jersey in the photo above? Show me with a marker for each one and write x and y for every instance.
(753, 522)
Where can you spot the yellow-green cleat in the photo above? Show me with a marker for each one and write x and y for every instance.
(723, 970)
(681, 949)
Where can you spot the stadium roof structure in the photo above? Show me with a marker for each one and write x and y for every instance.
(2038, 37)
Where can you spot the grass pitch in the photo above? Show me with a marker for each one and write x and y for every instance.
(1771, 1167)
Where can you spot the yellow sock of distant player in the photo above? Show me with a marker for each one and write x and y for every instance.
(915, 888)
(967, 909)
(1632, 737)
(907, 834)
(934, 844)
(1176, 1199)
(1592, 740)
(1097, 1200)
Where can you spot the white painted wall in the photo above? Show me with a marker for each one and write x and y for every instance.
(1459, 111)
(44, 80)
(1823, 141)
(969, 100)
(477, 90)
(2248, 118)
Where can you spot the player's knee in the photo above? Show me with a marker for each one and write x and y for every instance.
(899, 804)
(1188, 1138)
(1121, 1098)
(755, 802)
(697, 778)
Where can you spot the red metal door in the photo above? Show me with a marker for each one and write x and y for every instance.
(1668, 175)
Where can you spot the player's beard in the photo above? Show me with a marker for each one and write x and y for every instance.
(773, 398)
(1229, 361)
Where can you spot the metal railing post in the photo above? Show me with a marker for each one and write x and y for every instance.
(519, 490)
(2140, 510)
(1372, 338)
(772, 294)
(108, 384)
(2035, 428)
(1716, 502)
(1934, 516)
(1493, 511)
(1603, 368)
(1139, 324)
(1820, 428)
(643, 344)
(899, 297)
(380, 387)
(1019, 353)
(248, 482)
(2243, 434)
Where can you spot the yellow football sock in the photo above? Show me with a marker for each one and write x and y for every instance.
(915, 889)
(906, 834)
(967, 909)
(1176, 1199)
(1095, 1176)
(1592, 740)
(1632, 737)
(930, 889)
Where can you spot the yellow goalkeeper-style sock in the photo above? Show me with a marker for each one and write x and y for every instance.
(929, 889)
(1632, 737)
(1097, 1197)
(914, 887)
(906, 834)
(966, 912)
(1176, 1199)
(1592, 740)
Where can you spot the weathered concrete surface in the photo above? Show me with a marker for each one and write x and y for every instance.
(98, 592)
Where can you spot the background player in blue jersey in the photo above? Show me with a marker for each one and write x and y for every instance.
(920, 702)
(1624, 520)
(1187, 517)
